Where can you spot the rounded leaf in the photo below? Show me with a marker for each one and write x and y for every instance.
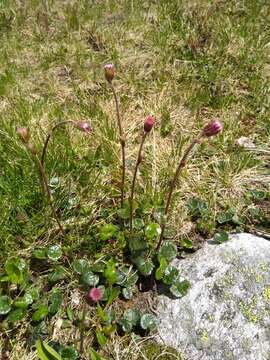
(40, 313)
(16, 270)
(180, 288)
(149, 322)
(56, 301)
(152, 231)
(39, 253)
(168, 251)
(16, 315)
(145, 266)
(133, 316)
(88, 278)
(80, 265)
(58, 274)
(5, 305)
(127, 293)
(69, 353)
(170, 275)
(54, 252)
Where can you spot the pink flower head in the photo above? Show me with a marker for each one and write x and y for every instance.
(24, 134)
(95, 294)
(109, 72)
(84, 126)
(213, 128)
(149, 123)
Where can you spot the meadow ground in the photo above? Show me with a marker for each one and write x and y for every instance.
(185, 62)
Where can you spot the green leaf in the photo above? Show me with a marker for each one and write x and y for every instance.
(170, 275)
(137, 243)
(46, 352)
(88, 278)
(221, 237)
(125, 325)
(58, 274)
(124, 213)
(168, 251)
(160, 270)
(114, 293)
(133, 316)
(101, 338)
(127, 277)
(40, 253)
(16, 315)
(5, 305)
(110, 272)
(16, 270)
(34, 292)
(23, 302)
(69, 353)
(138, 224)
(40, 313)
(108, 231)
(197, 207)
(80, 266)
(187, 244)
(95, 355)
(180, 288)
(55, 300)
(152, 231)
(127, 293)
(54, 252)
(145, 266)
(69, 313)
(149, 322)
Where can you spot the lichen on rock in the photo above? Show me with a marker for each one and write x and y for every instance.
(226, 313)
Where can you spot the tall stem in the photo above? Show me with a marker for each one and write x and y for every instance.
(139, 160)
(49, 195)
(122, 142)
(181, 165)
(46, 142)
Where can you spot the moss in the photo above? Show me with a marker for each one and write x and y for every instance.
(152, 350)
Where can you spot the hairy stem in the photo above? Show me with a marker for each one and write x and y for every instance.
(48, 192)
(122, 142)
(139, 160)
(181, 165)
(46, 142)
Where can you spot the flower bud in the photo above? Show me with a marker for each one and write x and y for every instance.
(84, 126)
(32, 149)
(149, 123)
(95, 294)
(213, 128)
(24, 134)
(109, 72)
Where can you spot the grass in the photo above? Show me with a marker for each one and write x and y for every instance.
(185, 62)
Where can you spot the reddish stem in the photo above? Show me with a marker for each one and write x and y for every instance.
(122, 142)
(139, 160)
(181, 165)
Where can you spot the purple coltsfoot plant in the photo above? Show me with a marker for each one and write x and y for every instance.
(24, 134)
(148, 125)
(211, 129)
(109, 71)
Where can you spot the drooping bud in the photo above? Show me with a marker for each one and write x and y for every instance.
(95, 294)
(32, 149)
(83, 126)
(213, 128)
(149, 123)
(24, 134)
(109, 72)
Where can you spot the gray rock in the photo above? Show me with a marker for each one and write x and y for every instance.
(226, 313)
